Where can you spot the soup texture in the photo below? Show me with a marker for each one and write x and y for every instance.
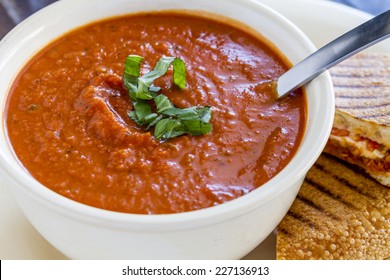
(68, 123)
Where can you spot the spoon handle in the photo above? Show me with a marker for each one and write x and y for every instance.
(359, 38)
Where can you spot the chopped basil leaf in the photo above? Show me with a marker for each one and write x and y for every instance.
(154, 89)
(142, 110)
(162, 103)
(168, 128)
(131, 74)
(145, 82)
(179, 73)
(204, 113)
(197, 127)
(169, 121)
(153, 123)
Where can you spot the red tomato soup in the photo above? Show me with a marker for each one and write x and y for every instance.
(67, 115)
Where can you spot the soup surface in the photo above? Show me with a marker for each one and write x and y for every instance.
(68, 124)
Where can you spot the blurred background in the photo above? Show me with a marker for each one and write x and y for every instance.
(14, 11)
(374, 7)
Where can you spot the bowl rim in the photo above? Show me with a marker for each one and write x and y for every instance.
(294, 171)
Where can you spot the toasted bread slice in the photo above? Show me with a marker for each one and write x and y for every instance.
(362, 90)
(361, 133)
(339, 213)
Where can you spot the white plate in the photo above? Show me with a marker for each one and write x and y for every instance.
(321, 20)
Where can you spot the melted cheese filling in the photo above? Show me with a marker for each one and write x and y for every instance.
(361, 145)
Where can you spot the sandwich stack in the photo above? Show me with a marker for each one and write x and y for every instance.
(361, 130)
(343, 208)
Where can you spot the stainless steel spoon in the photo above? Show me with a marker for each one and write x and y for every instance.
(359, 38)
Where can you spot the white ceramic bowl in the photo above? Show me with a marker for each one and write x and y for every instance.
(227, 231)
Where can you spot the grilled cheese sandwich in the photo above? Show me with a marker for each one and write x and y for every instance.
(341, 212)
(361, 129)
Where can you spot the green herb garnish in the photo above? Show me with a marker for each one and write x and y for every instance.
(168, 121)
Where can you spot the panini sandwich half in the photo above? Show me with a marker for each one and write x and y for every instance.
(340, 213)
(361, 130)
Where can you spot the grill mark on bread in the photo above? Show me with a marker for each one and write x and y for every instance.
(350, 86)
(374, 116)
(350, 166)
(357, 76)
(302, 219)
(359, 173)
(367, 60)
(356, 97)
(317, 207)
(282, 230)
(331, 194)
(344, 182)
(364, 106)
(358, 66)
